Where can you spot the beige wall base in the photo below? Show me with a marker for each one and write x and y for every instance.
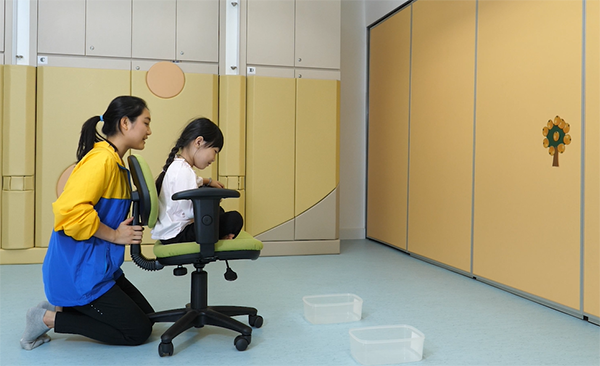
(284, 248)
(22, 256)
(271, 249)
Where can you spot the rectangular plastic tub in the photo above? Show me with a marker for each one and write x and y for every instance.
(337, 308)
(386, 344)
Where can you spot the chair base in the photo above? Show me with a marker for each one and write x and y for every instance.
(198, 314)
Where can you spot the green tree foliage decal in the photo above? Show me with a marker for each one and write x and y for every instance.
(556, 137)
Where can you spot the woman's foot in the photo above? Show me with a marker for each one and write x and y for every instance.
(35, 329)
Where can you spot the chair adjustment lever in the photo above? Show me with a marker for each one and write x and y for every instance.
(230, 275)
(180, 271)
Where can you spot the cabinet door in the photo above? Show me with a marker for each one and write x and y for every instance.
(153, 31)
(198, 30)
(270, 152)
(591, 266)
(526, 232)
(108, 28)
(61, 27)
(317, 141)
(318, 33)
(441, 138)
(387, 173)
(270, 32)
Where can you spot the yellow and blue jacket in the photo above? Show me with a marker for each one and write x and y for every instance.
(79, 267)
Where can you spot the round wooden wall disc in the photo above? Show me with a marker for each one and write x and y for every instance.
(60, 185)
(165, 79)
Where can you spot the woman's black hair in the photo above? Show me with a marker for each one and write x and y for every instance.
(210, 132)
(123, 106)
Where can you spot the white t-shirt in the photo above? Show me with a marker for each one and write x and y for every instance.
(174, 216)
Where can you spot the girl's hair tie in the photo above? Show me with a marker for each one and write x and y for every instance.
(101, 118)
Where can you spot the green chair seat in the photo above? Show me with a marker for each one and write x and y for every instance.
(243, 242)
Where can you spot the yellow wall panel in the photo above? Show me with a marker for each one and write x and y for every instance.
(317, 141)
(67, 97)
(441, 137)
(232, 120)
(387, 155)
(591, 280)
(527, 213)
(18, 133)
(270, 152)
(1, 130)
(199, 98)
(17, 213)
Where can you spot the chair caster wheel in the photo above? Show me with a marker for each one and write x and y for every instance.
(242, 342)
(255, 321)
(165, 349)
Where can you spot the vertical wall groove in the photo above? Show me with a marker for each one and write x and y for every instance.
(474, 134)
(583, 136)
(410, 58)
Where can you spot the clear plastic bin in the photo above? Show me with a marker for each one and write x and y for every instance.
(386, 344)
(337, 308)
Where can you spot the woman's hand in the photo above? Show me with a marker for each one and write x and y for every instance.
(128, 234)
(125, 233)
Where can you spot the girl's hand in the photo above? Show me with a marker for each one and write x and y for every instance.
(128, 234)
(217, 184)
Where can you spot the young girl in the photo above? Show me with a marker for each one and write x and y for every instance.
(83, 280)
(198, 145)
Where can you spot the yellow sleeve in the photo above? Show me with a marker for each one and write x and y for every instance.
(74, 210)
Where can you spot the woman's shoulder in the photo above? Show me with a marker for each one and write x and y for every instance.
(102, 155)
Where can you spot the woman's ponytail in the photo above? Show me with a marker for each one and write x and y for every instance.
(123, 106)
(89, 136)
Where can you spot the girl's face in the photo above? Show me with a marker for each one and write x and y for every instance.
(203, 156)
(137, 132)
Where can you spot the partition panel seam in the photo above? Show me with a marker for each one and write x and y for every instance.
(410, 59)
(582, 192)
(474, 136)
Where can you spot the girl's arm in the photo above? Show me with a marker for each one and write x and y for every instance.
(212, 183)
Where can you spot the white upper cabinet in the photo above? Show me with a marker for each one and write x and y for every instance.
(198, 30)
(294, 33)
(61, 27)
(270, 32)
(153, 29)
(108, 28)
(2, 25)
(318, 33)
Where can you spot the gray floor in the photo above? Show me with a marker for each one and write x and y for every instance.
(464, 321)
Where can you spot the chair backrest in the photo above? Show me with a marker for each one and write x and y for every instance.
(146, 190)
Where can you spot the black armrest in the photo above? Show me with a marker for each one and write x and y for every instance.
(205, 202)
(205, 192)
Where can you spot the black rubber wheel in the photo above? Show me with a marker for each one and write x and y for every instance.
(241, 342)
(255, 321)
(165, 349)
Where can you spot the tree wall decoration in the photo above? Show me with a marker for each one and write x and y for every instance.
(556, 137)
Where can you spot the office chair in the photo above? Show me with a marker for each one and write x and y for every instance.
(207, 248)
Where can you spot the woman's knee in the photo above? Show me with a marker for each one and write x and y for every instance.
(139, 334)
